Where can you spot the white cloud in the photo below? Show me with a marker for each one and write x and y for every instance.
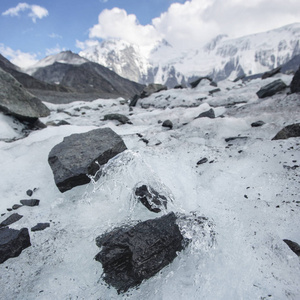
(55, 36)
(55, 50)
(86, 44)
(116, 23)
(35, 11)
(195, 22)
(17, 57)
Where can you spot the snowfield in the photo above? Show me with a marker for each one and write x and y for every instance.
(248, 189)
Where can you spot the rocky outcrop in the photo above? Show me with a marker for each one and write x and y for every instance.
(295, 84)
(16, 101)
(150, 198)
(288, 132)
(197, 81)
(80, 155)
(13, 242)
(132, 254)
(271, 89)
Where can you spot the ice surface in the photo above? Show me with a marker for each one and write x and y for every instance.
(250, 198)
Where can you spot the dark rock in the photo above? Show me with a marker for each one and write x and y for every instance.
(29, 193)
(202, 161)
(40, 226)
(179, 86)
(17, 101)
(134, 100)
(214, 91)
(271, 89)
(151, 89)
(236, 138)
(293, 246)
(30, 202)
(62, 122)
(257, 124)
(168, 124)
(16, 206)
(213, 84)
(207, 114)
(118, 117)
(13, 242)
(80, 155)
(295, 84)
(239, 78)
(271, 73)
(11, 219)
(131, 255)
(287, 132)
(150, 198)
(197, 81)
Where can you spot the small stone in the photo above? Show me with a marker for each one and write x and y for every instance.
(16, 206)
(257, 124)
(29, 193)
(202, 161)
(168, 124)
(30, 202)
(40, 227)
(293, 246)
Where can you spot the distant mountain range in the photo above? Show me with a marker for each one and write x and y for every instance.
(221, 58)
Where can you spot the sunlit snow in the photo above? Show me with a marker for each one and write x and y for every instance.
(244, 189)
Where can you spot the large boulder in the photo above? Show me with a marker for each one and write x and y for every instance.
(287, 132)
(13, 242)
(11, 219)
(271, 73)
(295, 84)
(130, 255)
(16, 101)
(271, 89)
(80, 155)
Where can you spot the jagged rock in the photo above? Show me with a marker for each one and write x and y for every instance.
(271, 89)
(80, 155)
(11, 219)
(150, 198)
(202, 161)
(151, 89)
(287, 132)
(179, 86)
(62, 122)
(293, 246)
(133, 254)
(295, 84)
(207, 114)
(257, 124)
(134, 100)
(119, 117)
(40, 226)
(16, 101)
(13, 242)
(168, 124)
(30, 202)
(271, 73)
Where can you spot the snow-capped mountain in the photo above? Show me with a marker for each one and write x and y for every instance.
(221, 58)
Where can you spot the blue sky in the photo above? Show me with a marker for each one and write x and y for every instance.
(31, 30)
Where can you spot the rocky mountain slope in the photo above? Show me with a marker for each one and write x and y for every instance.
(211, 158)
(82, 76)
(221, 58)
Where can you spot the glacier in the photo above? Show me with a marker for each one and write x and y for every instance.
(244, 188)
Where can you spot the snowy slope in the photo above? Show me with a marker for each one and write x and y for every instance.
(221, 58)
(245, 188)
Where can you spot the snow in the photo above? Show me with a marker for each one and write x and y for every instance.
(245, 191)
